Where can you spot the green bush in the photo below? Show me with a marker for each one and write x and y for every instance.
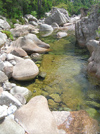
(8, 33)
(34, 13)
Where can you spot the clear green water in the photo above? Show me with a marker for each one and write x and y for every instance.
(67, 86)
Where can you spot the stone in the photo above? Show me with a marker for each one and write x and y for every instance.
(9, 126)
(33, 23)
(3, 56)
(36, 118)
(1, 65)
(3, 77)
(58, 16)
(3, 111)
(55, 25)
(10, 57)
(6, 99)
(21, 30)
(92, 45)
(25, 70)
(36, 57)
(30, 43)
(21, 90)
(61, 34)
(1, 90)
(4, 24)
(3, 39)
(45, 30)
(20, 98)
(7, 86)
(56, 97)
(42, 74)
(76, 122)
(8, 69)
(30, 17)
(85, 29)
(18, 52)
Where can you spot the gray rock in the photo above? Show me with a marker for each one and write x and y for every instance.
(7, 99)
(3, 77)
(85, 29)
(21, 30)
(3, 39)
(21, 90)
(9, 126)
(4, 24)
(8, 69)
(30, 17)
(21, 98)
(7, 86)
(56, 16)
(1, 66)
(33, 23)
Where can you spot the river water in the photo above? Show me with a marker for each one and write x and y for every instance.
(67, 86)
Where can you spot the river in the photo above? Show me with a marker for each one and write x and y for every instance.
(67, 85)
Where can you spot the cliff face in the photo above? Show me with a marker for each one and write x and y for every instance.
(85, 29)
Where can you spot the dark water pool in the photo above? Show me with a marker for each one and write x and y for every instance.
(67, 86)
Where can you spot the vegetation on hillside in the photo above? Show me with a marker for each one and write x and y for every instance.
(18, 8)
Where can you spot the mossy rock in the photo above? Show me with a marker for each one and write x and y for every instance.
(55, 97)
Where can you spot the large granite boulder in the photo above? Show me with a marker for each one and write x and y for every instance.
(36, 118)
(77, 122)
(60, 16)
(30, 43)
(21, 30)
(85, 29)
(4, 25)
(3, 39)
(45, 30)
(9, 126)
(25, 70)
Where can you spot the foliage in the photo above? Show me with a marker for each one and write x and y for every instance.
(34, 13)
(8, 33)
(14, 9)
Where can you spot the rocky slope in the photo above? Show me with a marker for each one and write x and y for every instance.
(87, 32)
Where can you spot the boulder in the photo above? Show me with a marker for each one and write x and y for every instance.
(85, 29)
(94, 60)
(30, 43)
(45, 30)
(4, 25)
(6, 99)
(3, 39)
(21, 30)
(25, 70)
(9, 126)
(61, 34)
(8, 69)
(21, 90)
(3, 77)
(7, 86)
(1, 65)
(33, 23)
(31, 17)
(58, 16)
(76, 122)
(92, 45)
(36, 118)
(18, 51)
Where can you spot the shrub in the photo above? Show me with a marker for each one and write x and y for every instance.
(8, 33)
(34, 13)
